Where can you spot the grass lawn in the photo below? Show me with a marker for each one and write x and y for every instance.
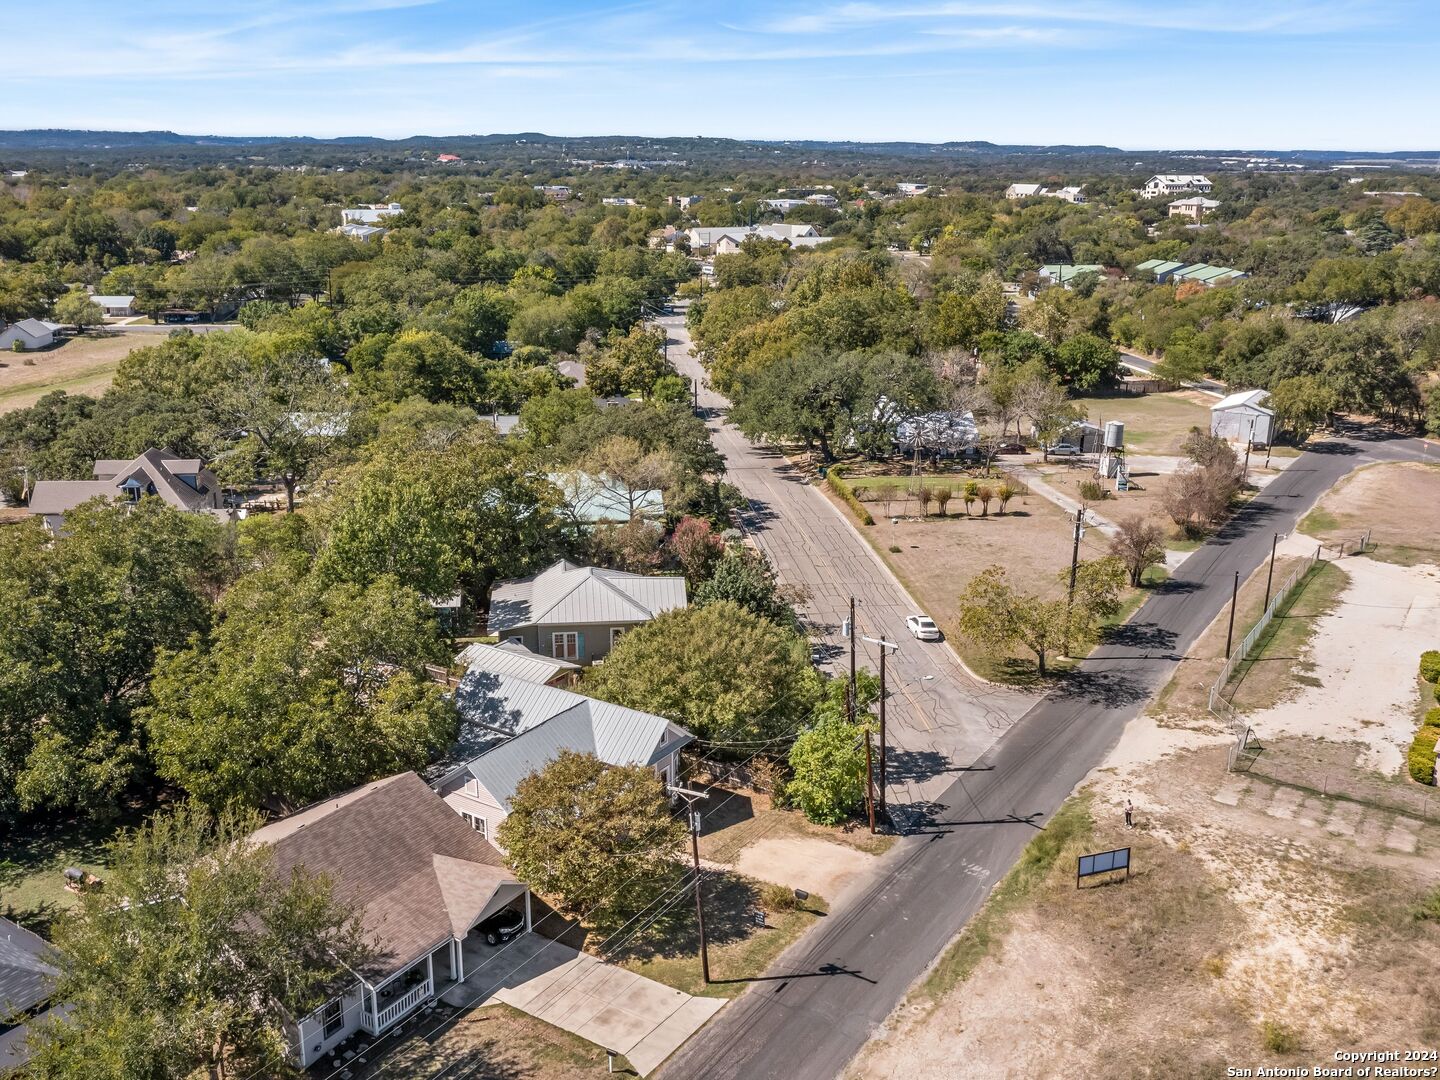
(1154, 423)
(32, 888)
(742, 820)
(1397, 502)
(740, 951)
(78, 365)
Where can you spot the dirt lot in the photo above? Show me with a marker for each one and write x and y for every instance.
(938, 557)
(1275, 915)
(1154, 423)
(1142, 500)
(1370, 498)
(78, 365)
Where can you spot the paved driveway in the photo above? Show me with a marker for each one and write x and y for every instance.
(940, 717)
(603, 1004)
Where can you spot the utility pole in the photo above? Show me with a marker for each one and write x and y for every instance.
(850, 704)
(1074, 570)
(1230, 633)
(1249, 442)
(885, 647)
(1270, 576)
(869, 785)
(690, 796)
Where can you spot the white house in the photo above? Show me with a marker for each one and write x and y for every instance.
(529, 724)
(363, 233)
(1242, 416)
(1024, 191)
(822, 199)
(115, 307)
(782, 205)
(1072, 194)
(512, 658)
(704, 239)
(557, 192)
(906, 187)
(369, 215)
(1195, 207)
(28, 333)
(422, 881)
(618, 200)
(1174, 184)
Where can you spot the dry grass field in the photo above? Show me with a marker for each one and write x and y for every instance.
(1397, 502)
(1154, 423)
(78, 365)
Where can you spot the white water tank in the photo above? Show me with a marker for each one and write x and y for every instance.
(1114, 434)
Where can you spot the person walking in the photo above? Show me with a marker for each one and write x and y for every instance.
(1129, 814)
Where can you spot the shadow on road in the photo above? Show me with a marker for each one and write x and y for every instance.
(822, 971)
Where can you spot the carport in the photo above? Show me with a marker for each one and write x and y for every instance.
(604, 1004)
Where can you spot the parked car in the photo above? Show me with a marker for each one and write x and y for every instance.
(1064, 449)
(1012, 448)
(922, 627)
(504, 925)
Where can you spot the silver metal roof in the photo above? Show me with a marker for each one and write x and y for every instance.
(567, 595)
(547, 720)
(512, 659)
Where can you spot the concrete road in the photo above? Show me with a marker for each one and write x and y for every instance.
(940, 717)
(832, 989)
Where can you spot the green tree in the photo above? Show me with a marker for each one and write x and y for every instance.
(301, 691)
(438, 516)
(744, 577)
(82, 616)
(828, 764)
(194, 959)
(77, 309)
(1087, 363)
(585, 834)
(723, 672)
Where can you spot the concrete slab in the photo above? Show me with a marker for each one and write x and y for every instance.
(607, 1005)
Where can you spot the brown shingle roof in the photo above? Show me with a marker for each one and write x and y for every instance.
(395, 850)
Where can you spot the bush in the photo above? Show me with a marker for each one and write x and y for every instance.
(1278, 1038)
(778, 898)
(836, 479)
(894, 549)
(1421, 759)
(1092, 491)
(1430, 665)
(1432, 718)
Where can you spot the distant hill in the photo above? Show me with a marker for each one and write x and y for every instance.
(67, 146)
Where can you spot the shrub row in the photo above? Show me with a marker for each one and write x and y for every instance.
(1430, 665)
(836, 479)
(1421, 758)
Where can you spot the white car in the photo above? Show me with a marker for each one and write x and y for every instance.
(922, 627)
(1064, 449)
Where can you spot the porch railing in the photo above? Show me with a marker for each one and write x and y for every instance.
(398, 1008)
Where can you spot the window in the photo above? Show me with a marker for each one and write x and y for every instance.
(333, 1017)
(476, 822)
(565, 646)
(616, 633)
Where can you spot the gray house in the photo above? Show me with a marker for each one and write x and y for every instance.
(184, 483)
(527, 725)
(577, 613)
(27, 976)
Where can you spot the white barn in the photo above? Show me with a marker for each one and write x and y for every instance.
(1243, 415)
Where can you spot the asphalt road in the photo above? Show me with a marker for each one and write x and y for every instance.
(843, 979)
(939, 715)
(1147, 367)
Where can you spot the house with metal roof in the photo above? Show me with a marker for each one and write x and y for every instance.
(421, 879)
(512, 658)
(1195, 207)
(27, 979)
(598, 499)
(184, 483)
(577, 613)
(1065, 273)
(532, 724)
(1160, 269)
(1243, 416)
(27, 334)
(115, 307)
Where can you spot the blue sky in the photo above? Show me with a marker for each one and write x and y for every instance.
(1355, 75)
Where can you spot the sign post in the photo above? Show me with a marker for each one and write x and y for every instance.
(1102, 862)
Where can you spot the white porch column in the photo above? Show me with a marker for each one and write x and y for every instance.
(430, 969)
(460, 959)
(528, 925)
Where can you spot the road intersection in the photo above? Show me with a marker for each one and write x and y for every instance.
(834, 988)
